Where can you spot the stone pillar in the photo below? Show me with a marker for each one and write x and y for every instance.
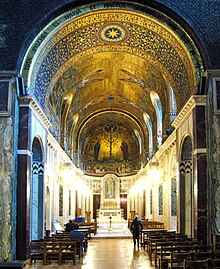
(200, 173)
(23, 184)
(88, 216)
(8, 178)
(83, 204)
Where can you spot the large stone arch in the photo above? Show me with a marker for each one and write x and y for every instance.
(53, 73)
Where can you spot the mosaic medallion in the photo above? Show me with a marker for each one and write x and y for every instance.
(113, 32)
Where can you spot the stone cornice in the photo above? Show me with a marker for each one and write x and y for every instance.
(212, 72)
(165, 147)
(8, 74)
(51, 140)
(195, 100)
(32, 103)
(169, 143)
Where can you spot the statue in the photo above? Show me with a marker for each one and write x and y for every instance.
(124, 148)
(96, 150)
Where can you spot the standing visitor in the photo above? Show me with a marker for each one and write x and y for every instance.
(136, 228)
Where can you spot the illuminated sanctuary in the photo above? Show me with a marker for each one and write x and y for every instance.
(108, 108)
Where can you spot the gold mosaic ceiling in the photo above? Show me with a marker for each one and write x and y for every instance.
(108, 62)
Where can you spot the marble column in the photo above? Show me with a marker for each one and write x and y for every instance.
(23, 184)
(200, 173)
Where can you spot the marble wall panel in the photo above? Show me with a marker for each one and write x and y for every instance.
(213, 153)
(199, 132)
(8, 147)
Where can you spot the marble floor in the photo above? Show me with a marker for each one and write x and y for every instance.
(115, 230)
(106, 253)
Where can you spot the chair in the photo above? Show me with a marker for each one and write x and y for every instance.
(69, 251)
(202, 255)
(217, 254)
(186, 248)
(200, 264)
(177, 259)
(153, 245)
(214, 263)
(161, 246)
(37, 251)
(165, 254)
(204, 248)
(52, 252)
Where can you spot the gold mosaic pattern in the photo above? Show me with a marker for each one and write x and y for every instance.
(147, 38)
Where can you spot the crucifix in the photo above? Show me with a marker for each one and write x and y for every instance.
(111, 136)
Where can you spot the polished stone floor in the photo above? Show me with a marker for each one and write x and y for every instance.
(106, 253)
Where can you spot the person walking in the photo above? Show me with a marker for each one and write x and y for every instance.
(136, 228)
(76, 234)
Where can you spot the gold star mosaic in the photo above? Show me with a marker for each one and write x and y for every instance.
(113, 33)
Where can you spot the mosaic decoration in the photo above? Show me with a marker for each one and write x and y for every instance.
(185, 167)
(160, 200)
(60, 200)
(37, 151)
(148, 38)
(173, 197)
(106, 55)
(113, 33)
(96, 186)
(187, 149)
(105, 141)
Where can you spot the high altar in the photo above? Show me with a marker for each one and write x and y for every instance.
(110, 199)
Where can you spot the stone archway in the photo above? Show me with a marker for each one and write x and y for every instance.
(37, 192)
(185, 188)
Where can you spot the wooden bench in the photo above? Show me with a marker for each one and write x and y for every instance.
(146, 234)
(92, 226)
(56, 248)
(200, 264)
(37, 251)
(214, 263)
(52, 252)
(177, 259)
(148, 224)
(65, 236)
(160, 248)
(69, 251)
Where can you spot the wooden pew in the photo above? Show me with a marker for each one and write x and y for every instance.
(160, 248)
(69, 251)
(52, 252)
(177, 258)
(201, 264)
(37, 251)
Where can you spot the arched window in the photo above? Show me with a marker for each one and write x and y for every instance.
(173, 108)
(158, 108)
(139, 140)
(150, 131)
(71, 139)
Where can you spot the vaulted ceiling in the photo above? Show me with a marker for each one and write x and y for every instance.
(94, 74)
